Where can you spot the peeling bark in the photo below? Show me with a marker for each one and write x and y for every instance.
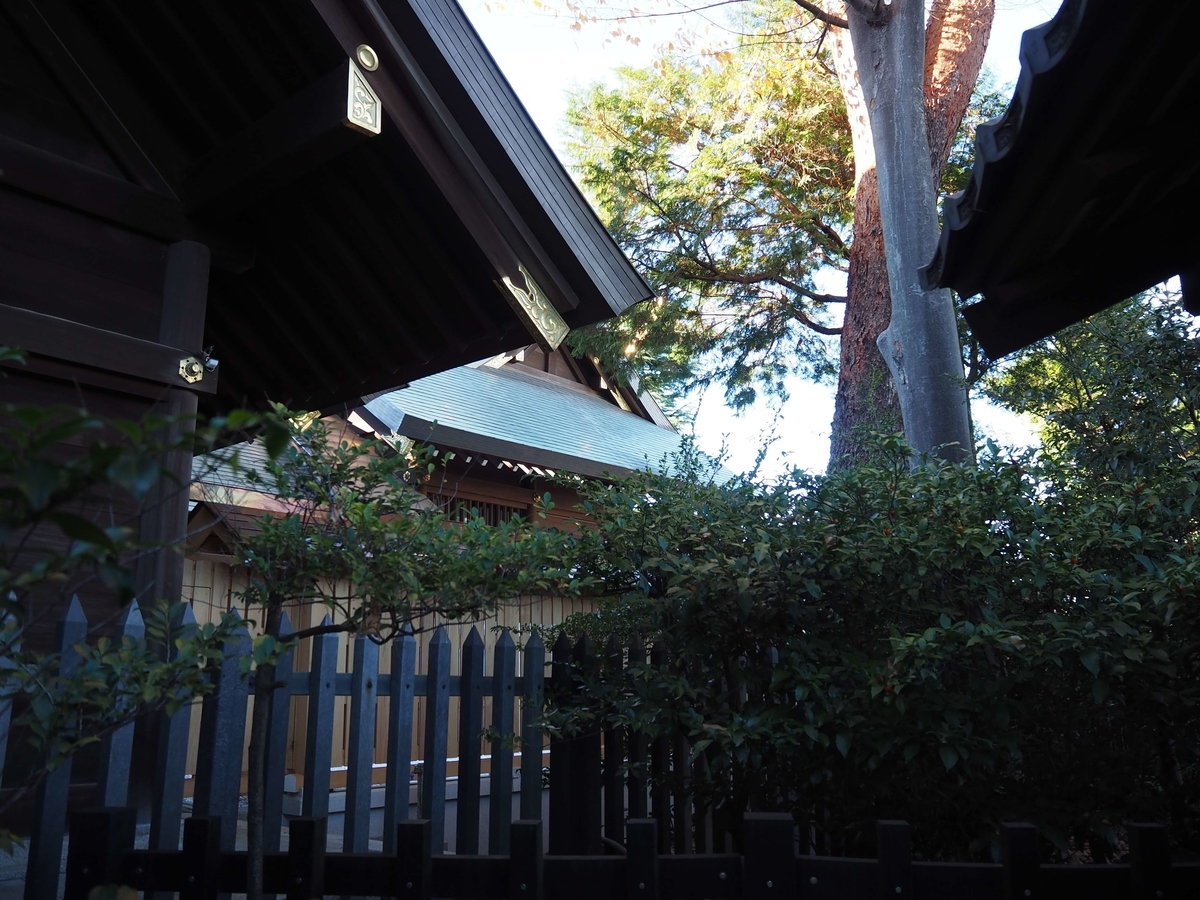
(956, 39)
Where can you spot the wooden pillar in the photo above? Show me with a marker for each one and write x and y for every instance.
(164, 520)
(159, 571)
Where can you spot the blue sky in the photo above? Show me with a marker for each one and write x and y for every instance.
(544, 59)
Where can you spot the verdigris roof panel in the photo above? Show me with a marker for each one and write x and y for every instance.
(528, 419)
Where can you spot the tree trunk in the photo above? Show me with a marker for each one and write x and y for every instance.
(264, 686)
(956, 39)
(920, 345)
(866, 396)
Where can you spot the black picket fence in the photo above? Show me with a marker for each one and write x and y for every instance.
(621, 824)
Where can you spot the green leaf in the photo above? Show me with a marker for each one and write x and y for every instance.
(843, 742)
(276, 436)
(1091, 661)
(949, 756)
(80, 529)
(136, 473)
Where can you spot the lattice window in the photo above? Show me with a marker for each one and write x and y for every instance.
(458, 509)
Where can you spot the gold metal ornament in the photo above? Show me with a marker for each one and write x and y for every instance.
(364, 111)
(367, 57)
(191, 369)
(536, 312)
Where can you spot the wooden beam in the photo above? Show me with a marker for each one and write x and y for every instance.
(88, 346)
(291, 140)
(185, 296)
(62, 181)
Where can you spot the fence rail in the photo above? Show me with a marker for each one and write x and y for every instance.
(768, 870)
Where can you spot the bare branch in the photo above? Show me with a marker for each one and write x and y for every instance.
(322, 629)
(805, 292)
(804, 320)
(823, 16)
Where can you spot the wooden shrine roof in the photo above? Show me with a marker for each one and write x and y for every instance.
(1081, 193)
(344, 263)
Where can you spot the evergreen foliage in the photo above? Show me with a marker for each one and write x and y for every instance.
(956, 646)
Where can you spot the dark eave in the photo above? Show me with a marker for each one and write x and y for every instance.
(1076, 200)
(344, 263)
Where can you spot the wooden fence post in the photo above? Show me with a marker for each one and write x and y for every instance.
(200, 865)
(277, 736)
(99, 840)
(526, 872)
(534, 677)
(361, 745)
(614, 756)
(7, 622)
(50, 809)
(769, 868)
(637, 746)
(1019, 853)
(641, 861)
(116, 748)
(400, 731)
(470, 727)
(414, 859)
(895, 858)
(1149, 862)
(437, 728)
(318, 736)
(660, 769)
(562, 758)
(586, 768)
(306, 858)
(222, 737)
(504, 679)
(681, 789)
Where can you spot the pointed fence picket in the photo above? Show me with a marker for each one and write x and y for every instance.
(50, 817)
(116, 748)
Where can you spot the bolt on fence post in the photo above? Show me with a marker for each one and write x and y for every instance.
(99, 840)
(200, 864)
(1149, 862)
(769, 862)
(414, 859)
(1019, 853)
(526, 867)
(895, 858)
(306, 857)
(642, 860)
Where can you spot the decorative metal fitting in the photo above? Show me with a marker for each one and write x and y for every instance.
(364, 111)
(367, 57)
(536, 312)
(191, 369)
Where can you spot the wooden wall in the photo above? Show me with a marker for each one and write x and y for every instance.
(211, 585)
